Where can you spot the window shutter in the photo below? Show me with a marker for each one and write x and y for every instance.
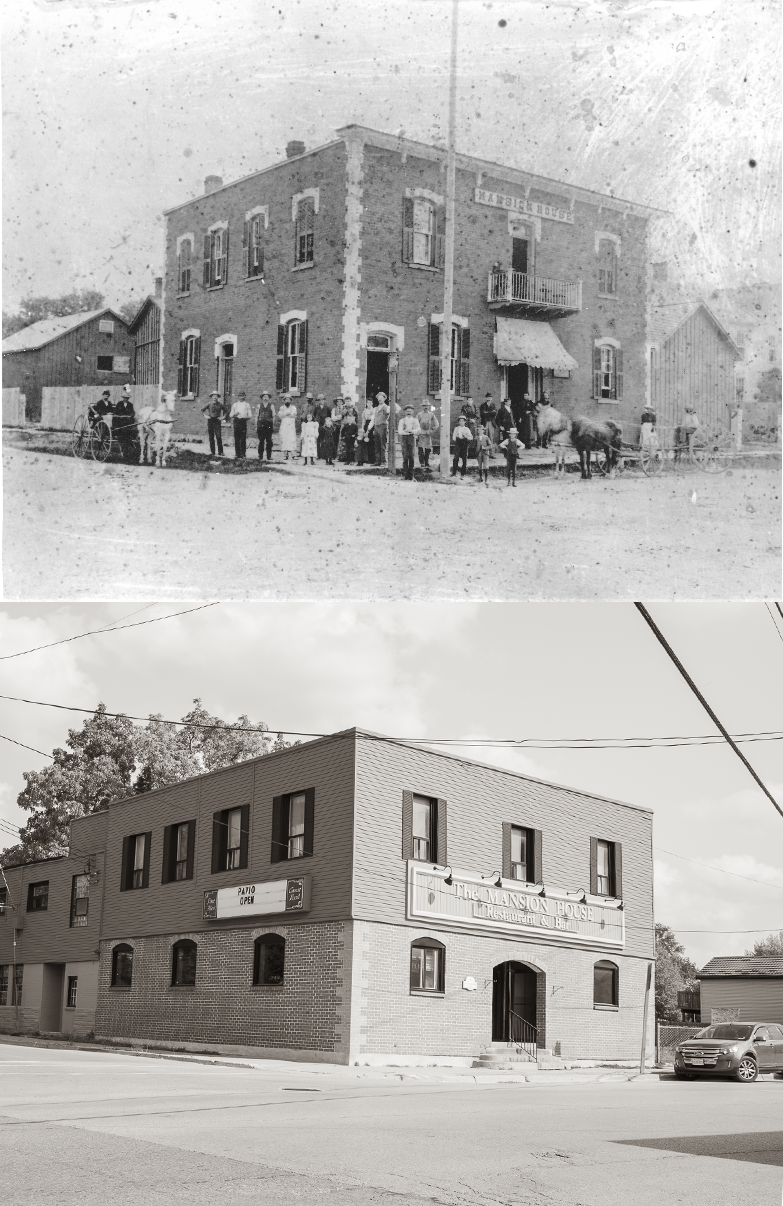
(246, 249)
(195, 372)
(166, 870)
(244, 835)
(407, 230)
(506, 850)
(464, 374)
(440, 237)
(596, 372)
(224, 259)
(618, 368)
(207, 260)
(218, 844)
(618, 869)
(191, 849)
(309, 821)
(441, 835)
(279, 853)
(280, 380)
(593, 866)
(125, 864)
(181, 368)
(538, 856)
(407, 824)
(434, 369)
(145, 875)
(303, 352)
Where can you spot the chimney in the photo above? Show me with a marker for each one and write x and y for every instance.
(159, 286)
(212, 183)
(294, 148)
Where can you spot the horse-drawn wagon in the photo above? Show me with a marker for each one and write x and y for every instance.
(149, 433)
(708, 450)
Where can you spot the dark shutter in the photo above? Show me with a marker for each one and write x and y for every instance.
(309, 820)
(224, 260)
(303, 351)
(407, 824)
(145, 875)
(166, 870)
(125, 864)
(244, 834)
(181, 368)
(593, 866)
(280, 381)
(464, 374)
(441, 835)
(596, 372)
(279, 853)
(218, 842)
(602, 280)
(618, 361)
(246, 248)
(407, 230)
(195, 371)
(207, 260)
(618, 869)
(538, 856)
(506, 871)
(440, 237)
(433, 344)
(191, 849)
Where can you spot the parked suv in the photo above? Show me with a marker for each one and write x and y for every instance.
(741, 1050)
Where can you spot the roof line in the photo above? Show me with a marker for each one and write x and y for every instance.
(89, 316)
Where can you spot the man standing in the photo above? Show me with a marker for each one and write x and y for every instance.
(214, 411)
(428, 425)
(240, 413)
(125, 423)
(488, 413)
(380, 428)
(321, 412)
(505, 420)
(265, 425)
(409, 429)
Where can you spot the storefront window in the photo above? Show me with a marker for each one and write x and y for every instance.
(427, 960)
(269, 961)
(605, 976)
(122, 966)
(183, 972)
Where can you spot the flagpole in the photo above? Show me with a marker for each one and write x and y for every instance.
(448, 281)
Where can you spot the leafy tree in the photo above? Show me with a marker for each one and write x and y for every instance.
(128, 310)
(771, 945)
(33, 309)
(674, 971)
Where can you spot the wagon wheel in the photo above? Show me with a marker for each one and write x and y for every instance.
(651, 458)
(80, 439)
(100, 444)
(601, 462)
(712, 451)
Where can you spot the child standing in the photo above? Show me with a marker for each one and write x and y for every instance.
(462, 437)
(310, 438)
(327, 440)
(512, 447)
(483, 452)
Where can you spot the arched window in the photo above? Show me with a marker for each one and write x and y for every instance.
(183, 968)
(122, 966)
(607, 370)
(292, 354)
(268, 959)
(428, 965)
(188, 365)
(605, 983)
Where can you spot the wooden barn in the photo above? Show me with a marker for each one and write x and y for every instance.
(145, 331)
(742, 988)
(91, 348)
(692, 359)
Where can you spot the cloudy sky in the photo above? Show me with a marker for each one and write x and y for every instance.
(469, 671)
(117, 109)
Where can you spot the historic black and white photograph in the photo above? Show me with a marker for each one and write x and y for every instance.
(431, 300)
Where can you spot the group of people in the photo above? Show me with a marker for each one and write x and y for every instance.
(120, 416)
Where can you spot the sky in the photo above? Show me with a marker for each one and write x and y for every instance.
(117, 109)
(463, 671)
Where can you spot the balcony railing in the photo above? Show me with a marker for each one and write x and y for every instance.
(534, 291)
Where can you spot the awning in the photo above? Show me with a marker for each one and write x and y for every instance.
(522, 341)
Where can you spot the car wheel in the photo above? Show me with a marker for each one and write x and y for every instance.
(747, 1070)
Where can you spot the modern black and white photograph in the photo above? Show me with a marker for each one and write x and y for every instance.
(434, 300)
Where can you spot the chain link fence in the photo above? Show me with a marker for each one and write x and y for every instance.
(669, 1037)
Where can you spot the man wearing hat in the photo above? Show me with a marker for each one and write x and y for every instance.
(240, 413)
(488, 414)
(101, 408)
(214, 410)
(380, 427)
(125, 423)
(320, 413)
(428, 426)
(265, 425)
(512, 447)
(408, 430)
(462, 436)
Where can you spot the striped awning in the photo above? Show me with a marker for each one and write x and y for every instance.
(522, 341)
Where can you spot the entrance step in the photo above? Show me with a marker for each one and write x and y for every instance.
(501, 1056)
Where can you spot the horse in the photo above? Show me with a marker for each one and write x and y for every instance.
(550, 422)
(159, 422)
(591, 435)
(146, 434)
(559, 442)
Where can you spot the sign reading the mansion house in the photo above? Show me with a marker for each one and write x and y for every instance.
(480, 902)
(520, 205)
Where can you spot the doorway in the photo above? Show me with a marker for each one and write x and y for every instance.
(516, 388)
(50, 1017)
(514, 1003)
(378, 349)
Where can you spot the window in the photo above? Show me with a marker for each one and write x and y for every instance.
(38, 897)
(224, 371)
(607, 268)
(607, 371)
(72, 986)
(4, 984)
(522, 853)
(3, 901)
(605, 977)
(304, 244)
(230, 832)
(460, 360)
(80, 899)
(178, 850)
(16, 986)
(106, 326)
(427, 965)
(188, 366)
(184, 265)
(423, 232)
(423, 828)
(268, 959)
(292, 356)
(253, 245)
(606, 868)
(6, 980)
(293, 819)
(183, 969)
(215, 264)
(105, 364)
(135, 862)
(122, 966)
(740, 388)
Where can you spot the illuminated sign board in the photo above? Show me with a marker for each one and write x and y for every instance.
(278, 896)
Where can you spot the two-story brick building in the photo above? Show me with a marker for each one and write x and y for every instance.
(325, 273)
(355, 898)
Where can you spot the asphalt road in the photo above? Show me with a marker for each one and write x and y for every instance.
(93, 1129)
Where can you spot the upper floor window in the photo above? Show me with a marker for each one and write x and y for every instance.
(3, 901)
(519, 853)
(216, 257)
(178, 850)
(607, 267)
(189, 365)
(605, 983)
(522, 853)
(424, 828)
(122, 966)
(80, 899)
(293, 822)
(460, 359)
(423, 230)
(607, 371)
(183, 966)
(304, 243)
(292, 356)
(427, 965)
(38, 896)
(184, 264)
(106, 326)
(740, 390)
(136, 861)
(253, 242)
(424, 821)
(268, 959)
(230, 834)
(606, 868)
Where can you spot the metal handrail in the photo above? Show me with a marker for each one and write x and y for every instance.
(537, 290)
(522, 1033)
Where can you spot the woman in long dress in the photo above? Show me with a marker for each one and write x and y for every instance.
(287, 416)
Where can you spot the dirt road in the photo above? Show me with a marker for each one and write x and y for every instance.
(76, 529)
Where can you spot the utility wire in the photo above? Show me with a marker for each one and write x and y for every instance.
(96, 631)
(662, 640)
(25, 747)
(767, 883)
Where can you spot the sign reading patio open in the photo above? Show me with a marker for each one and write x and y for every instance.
(278, 896)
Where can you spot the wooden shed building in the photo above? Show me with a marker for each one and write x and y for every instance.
(692, 360)
(745, 988)
(145, 332)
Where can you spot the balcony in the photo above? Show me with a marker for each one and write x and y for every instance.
(521, 293)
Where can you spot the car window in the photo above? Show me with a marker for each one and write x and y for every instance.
(775, 1032)
(727, 1030)
(762, 1033)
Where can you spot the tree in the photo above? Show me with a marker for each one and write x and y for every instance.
(128, 310)
(770, 946)
(33, 309)
(674, 971)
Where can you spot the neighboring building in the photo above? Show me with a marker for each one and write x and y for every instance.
(325, 273)
(91, 348)
(145, 332)
(688, 1003)
(753, 315)
(745, 988)
(360, 898)
(692, 360)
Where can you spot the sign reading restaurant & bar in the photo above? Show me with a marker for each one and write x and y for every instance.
(478, 902)
(278, 896)
(537, 209)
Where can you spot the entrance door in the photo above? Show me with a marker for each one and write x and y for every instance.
(513, 1002)
(378, 349)
(517, 388)
(519, 255)
(50, 1017)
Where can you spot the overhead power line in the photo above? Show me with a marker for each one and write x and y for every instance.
(723, 871)
(24, 747)
(103, 631)
(662, 640)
